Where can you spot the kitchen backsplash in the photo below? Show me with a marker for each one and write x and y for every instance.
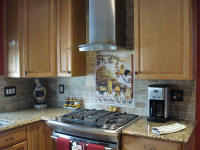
(24, 94)
(85, 89)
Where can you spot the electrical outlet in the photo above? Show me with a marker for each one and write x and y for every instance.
(9, 91)
(61, 89)
(177, 95)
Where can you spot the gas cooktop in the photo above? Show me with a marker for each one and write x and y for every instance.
(100, 125)
(98, 118)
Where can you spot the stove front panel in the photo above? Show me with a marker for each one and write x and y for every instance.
(78, 140)
(82, 131)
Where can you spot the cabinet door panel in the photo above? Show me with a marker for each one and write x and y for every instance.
(78, 60)
(35, 136)
(64, 36)
(12, 36)
(39, 37)
(138, 143)
(49, 142)
(163, 46)
(12, 137)
(39, 137)
(71, 32)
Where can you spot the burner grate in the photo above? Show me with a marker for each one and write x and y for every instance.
(98, 118)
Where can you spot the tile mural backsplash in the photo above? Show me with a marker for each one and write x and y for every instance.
(85, 89)
(23, 98)
(114, 78)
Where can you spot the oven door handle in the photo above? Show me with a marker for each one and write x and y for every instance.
(106, 148)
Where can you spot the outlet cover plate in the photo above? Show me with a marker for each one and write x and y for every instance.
(61, 88)
(177, 95)
(9, 91)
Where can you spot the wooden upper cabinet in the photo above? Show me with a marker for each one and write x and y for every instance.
(13, 37)
(163, 39)
(71, 32)
(39, 37)
(30, 38)
(42, 38)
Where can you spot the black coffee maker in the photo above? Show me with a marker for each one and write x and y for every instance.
(158, 103)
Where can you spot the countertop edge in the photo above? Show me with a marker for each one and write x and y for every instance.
(29, 121)
(157, 137)
(17, 125)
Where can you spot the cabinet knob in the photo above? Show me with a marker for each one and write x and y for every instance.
(136, 73)
(69, 72)
(9, 139)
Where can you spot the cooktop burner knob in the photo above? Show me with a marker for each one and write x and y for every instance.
(113, 127)
(105, 126)
(121, 120)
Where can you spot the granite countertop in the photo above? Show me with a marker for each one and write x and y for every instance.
(140, 128)
(23, 117)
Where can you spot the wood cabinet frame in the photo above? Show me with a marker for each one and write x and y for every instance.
(19, 49)
(71, 32)
(141, 143)
(50, 41)
(19, 146)
(16, 71)
(188, 50)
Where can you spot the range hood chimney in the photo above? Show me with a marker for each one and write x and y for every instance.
(107, 26)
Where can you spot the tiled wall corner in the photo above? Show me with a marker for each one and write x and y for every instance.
(24, 94)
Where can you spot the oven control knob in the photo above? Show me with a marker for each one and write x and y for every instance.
(113, 127)
(105, 126)
(120, 120)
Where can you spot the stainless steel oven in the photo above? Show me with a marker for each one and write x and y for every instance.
(77, 140)
(92, 126)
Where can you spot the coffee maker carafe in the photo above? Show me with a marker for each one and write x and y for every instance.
(158, 103)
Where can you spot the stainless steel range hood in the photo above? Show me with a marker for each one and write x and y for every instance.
(105, 33)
